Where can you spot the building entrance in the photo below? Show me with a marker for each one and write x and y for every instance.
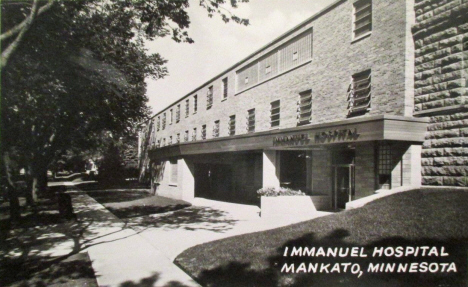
(344, 185)
(343, 178)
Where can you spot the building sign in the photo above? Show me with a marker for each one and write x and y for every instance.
(336, 136)
(299, 139)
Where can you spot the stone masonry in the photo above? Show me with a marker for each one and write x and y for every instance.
(441, 63)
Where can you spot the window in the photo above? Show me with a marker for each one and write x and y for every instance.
(187, 107)
(164, 121)
(275, 114)
(194, 134)
(304, 108)
(195, 104)
(385, 165)
(225, 88)
(170, 116)
(186, 136)
(362, 24)
(170, 140)
(203, 132)
(178, 138)
(178, 114)
(158, 124)
(216, 129)
(294, 56)
(164, 142)
(246, 80)
(232, 125)
(251, 121)
(174, 171)
(209, 98)
(359, 94)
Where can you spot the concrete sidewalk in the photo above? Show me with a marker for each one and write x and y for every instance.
(119, 255)
(140, 251)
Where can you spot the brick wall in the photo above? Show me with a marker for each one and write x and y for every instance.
(365, 169)
(335, 58)
(441, 42)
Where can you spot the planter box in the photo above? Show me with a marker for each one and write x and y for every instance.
(281, 206)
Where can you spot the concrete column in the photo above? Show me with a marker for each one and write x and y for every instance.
(412, 165)
(309, 185)
(186, 179)
(271, 170)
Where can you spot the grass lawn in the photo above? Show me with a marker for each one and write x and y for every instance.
(416, 218)
(126, 203)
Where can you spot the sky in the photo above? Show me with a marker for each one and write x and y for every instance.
(218, 45)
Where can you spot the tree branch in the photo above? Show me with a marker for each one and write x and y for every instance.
(16, 29)
(12, 47)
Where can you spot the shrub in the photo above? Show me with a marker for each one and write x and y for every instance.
(278, 191)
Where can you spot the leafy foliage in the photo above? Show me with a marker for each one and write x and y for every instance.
(278, 191)
(80, 69)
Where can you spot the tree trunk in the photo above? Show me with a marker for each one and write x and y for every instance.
(15, 212)
(38, 180)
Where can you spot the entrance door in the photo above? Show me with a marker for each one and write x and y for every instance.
(344, 185)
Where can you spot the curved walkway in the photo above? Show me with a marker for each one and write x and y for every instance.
(140, 251)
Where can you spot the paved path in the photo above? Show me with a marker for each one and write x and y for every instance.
(120, 256)
(141, 250)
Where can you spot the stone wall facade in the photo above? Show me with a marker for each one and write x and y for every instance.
(441, 63)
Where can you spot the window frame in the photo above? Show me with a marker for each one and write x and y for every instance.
(216, 129)
(232, 125)
(274, 123)
(224, 88)
(368, 4)
(304, 107)
(251, 122)
(209, 98)
(174, 164)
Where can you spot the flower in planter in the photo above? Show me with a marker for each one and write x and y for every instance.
(278, 191)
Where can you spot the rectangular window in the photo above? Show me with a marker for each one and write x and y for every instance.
(164, 121)
(203, 132)
(195, 104)
(194, 134)
(216, 129)
(232, 125)
(359, 94)
(158, 124)
(385, 165)
(304, 108)
(174, 171)
(187, 107)
(225, 88)
(170, 140)
(362, 23)
(171, 114)
(178, 114)
(209, 98)
(186, 136)
(178, 138)
(251, 121)
(164, 142)
(275, 113)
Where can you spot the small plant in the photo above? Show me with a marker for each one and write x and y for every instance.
(278, 191)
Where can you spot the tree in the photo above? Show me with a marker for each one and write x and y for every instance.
(78, 71)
